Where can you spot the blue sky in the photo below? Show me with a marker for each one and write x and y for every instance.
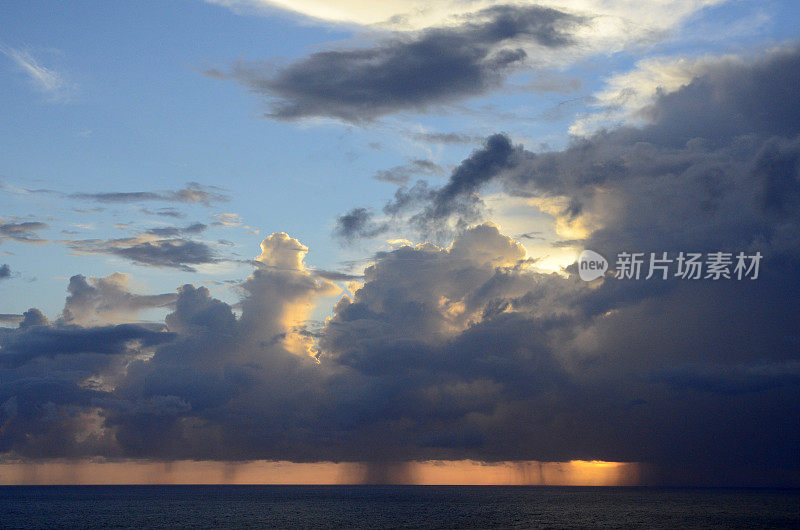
(166, 140)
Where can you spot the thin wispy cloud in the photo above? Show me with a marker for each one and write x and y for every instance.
(192, 193)
(47, 80)
(24, 232)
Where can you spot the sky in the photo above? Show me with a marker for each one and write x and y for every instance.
(270, 241)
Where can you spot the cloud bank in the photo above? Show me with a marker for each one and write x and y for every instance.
(464, 351)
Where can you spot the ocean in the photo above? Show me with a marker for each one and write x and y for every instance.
(394, 507)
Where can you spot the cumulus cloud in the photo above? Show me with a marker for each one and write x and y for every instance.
(436, 66)
(107, 300)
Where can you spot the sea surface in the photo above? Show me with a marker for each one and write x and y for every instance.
(394, 507)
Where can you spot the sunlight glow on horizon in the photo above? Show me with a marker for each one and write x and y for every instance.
(432, 472)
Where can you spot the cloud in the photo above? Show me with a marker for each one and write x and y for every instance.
(457, 352)
(149, 249)
(465, 351)
(620, 20)
(178, 253)
(10, 319)
(24, 232)
(31, 342)
(165, 212)
(336, 276)
(5, 271)
(656, 357)
(358, 223)
(740, 171)
(496, 155)
(33, 317)
(443, 138)
(479, 44)
(44, 79)
(107, 300)
(436, 206)
(10, 188)
(228, 219)
(193, 193)
(626, 96)
(436, 66)
(174, 231)
(691, 163)
(402, 174)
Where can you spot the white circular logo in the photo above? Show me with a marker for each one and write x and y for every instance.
(591, 265)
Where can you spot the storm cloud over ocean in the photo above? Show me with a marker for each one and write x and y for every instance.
(441, 332)
(463, 352)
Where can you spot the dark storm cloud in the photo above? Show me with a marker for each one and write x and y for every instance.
(193, 193)
(42, 340)
(432, 67)
(179, 253)
(47, 398)
(720, 155)
(657, 372)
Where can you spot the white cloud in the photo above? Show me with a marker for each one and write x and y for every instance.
(627, 94)
(654, 15)
(45, 79)
(229, 219)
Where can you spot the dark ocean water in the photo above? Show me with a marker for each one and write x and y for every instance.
(393, 507)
